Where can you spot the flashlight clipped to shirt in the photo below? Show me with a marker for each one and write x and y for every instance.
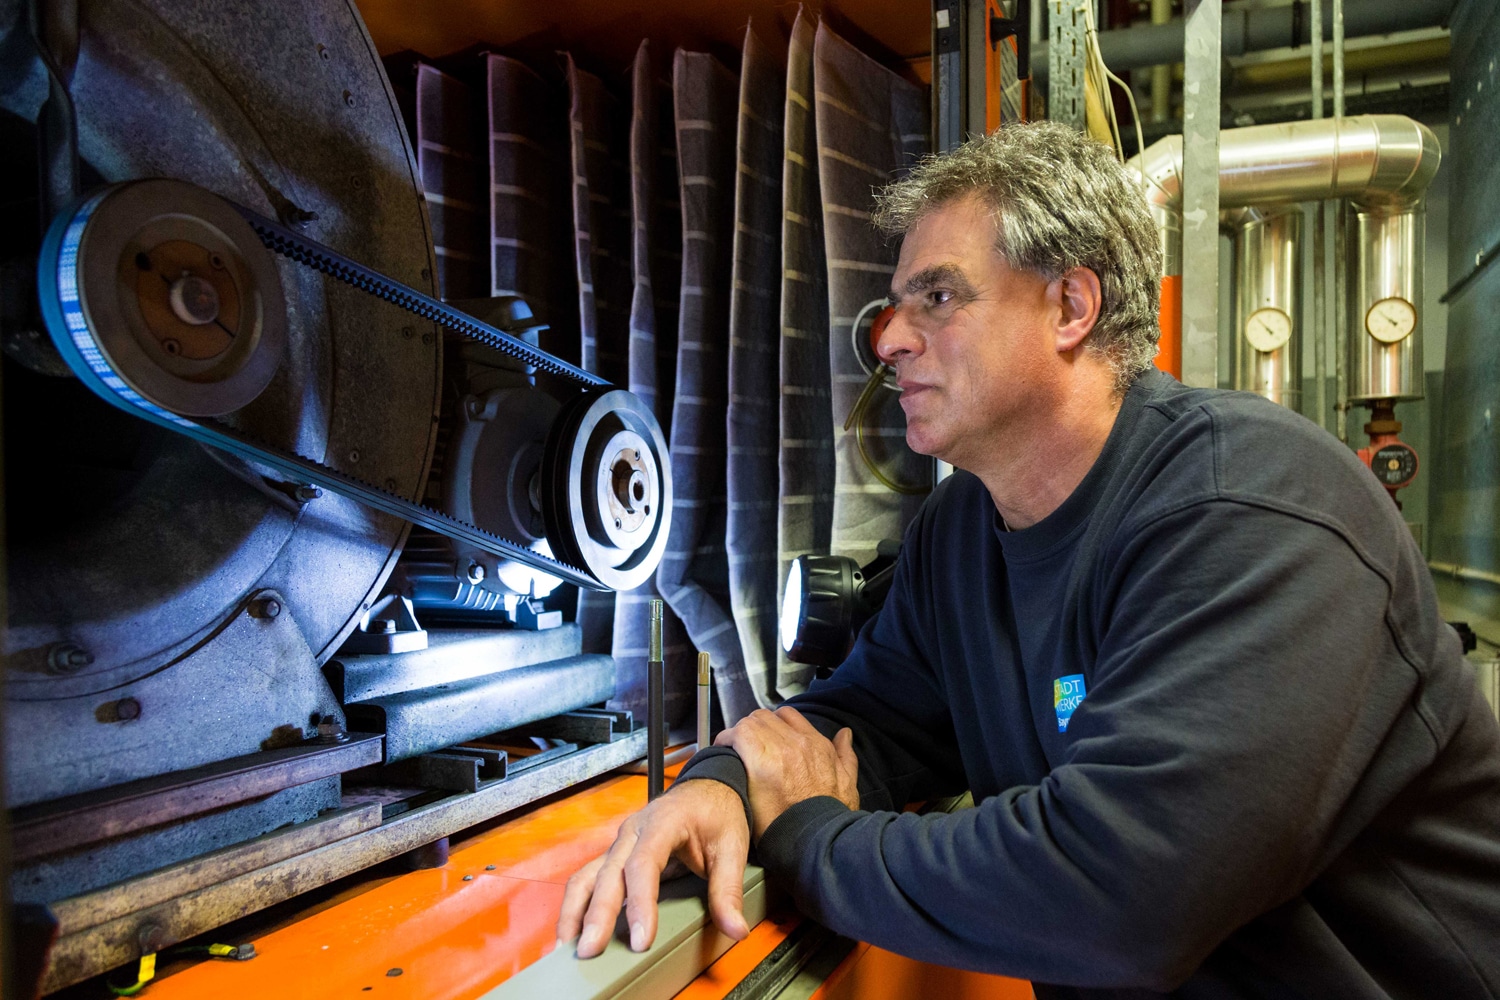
(828, 599)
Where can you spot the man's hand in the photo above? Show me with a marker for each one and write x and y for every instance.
(698, 824)
(787, 760)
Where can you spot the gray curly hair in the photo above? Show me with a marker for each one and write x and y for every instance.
(1060, 200)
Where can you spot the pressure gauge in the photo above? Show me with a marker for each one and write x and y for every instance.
(1391, 320)
(1268, 329)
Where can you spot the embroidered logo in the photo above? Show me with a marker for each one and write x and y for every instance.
(1067, 694)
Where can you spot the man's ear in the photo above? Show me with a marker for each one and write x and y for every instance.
(1079, 298)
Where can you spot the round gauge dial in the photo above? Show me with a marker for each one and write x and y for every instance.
(1268, 329)
(1395, 465)
(1391, 320)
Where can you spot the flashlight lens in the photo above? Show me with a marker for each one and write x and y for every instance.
(791, 606)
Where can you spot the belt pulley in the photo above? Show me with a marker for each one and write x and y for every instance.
(162, 300)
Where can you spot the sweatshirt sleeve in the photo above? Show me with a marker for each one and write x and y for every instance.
(890, 697)
(1248, 677)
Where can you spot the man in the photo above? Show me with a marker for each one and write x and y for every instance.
(1177, 642)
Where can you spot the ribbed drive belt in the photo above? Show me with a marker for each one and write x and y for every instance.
(95, 370)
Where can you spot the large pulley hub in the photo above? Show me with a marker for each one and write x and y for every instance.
(179, 296)
(607, 487)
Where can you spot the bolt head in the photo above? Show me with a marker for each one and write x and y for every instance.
(267, 607)
(127, 709)
(67, 658)
(476, 573)
(307, 494)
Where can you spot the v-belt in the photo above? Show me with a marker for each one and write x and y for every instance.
(94, 369)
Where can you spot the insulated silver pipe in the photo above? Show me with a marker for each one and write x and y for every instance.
(1320, 234)
(1267, 302)
(1380, 164)
(1384, 161)
(1340, 248)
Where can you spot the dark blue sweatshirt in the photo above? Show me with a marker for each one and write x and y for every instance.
(1220, 741)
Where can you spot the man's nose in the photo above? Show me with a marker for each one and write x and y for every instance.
(897, 336)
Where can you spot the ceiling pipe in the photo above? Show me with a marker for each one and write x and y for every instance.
(1254, 30)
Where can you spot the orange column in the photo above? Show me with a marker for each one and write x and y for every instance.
(1169, 357)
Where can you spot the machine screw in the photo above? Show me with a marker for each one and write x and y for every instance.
(267, 607)
(349, 99)
(468, 878)
(476, 573)
(300, 218)
(331, 730)
(127, 709)
(323, 52)
(307, 494)
(67, 658)
(152, 938)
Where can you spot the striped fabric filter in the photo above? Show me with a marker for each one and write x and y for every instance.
(451, 159)
(530, 252)
(805, 518)
(871, 127)
(601, 228)
(651, 178)
(694, 575)
(754, 375)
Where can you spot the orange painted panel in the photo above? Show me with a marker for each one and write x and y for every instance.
(1169, 357)
(871, 973)
(719, 979)
(452, 939)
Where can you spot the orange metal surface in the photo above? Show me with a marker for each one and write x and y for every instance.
(1169, 357)
(871, 973)
(725, 974)
(450, 939)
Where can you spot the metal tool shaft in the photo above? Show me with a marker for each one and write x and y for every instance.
(705, 676)
(656, 716)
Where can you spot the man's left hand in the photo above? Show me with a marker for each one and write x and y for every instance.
(787, 761)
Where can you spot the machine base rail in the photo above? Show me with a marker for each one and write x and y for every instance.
(100, 931)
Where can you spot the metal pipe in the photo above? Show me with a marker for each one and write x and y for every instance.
(1340, 248)
(1161, 74)
(1458, 572)
(705, 703)
(1254, 30)
(1267, 303)
(1320, 231)
(656, 716)
(1376, 161)
(1381, 163)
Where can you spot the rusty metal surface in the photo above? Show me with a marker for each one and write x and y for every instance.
(115, 942)
(79, 913)
(70, 822)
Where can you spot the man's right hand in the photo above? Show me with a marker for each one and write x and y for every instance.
(699, 824)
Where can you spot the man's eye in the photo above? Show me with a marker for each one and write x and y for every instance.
(939, 297)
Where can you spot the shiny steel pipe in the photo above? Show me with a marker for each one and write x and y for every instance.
(1372, 160)
(1267, 303)
(1385, 251)
(1380, 164)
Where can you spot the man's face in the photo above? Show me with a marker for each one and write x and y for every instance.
(971, 340)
